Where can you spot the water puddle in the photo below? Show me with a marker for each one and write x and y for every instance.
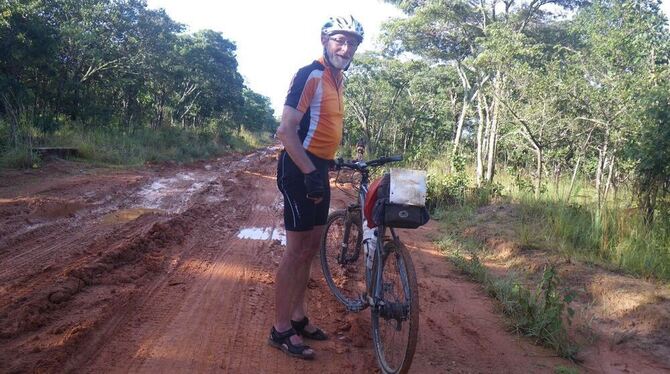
(127, 215)
(263, 233)
(172, 194)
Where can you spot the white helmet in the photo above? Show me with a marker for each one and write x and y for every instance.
(343, 24)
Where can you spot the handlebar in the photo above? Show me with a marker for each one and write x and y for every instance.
(364, 165)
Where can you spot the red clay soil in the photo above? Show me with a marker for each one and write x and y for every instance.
(146, 271)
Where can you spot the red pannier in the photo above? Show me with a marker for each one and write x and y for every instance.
(371, 198)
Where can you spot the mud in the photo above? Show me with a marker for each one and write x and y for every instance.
(151, 270)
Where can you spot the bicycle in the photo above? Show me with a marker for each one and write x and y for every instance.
(384, 279)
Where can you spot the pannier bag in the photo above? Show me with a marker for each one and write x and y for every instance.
(398, 200)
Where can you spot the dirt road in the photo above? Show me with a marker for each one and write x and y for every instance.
(171, 269)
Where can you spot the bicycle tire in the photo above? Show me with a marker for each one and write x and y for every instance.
(400, 287)
(345, 278)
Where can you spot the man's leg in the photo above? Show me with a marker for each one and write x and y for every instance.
(300, 307)
(290, 282)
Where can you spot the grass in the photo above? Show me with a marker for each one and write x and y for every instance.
(20, 158)
(565, 370)
(116, 147)
(540, 314)
(615, 237)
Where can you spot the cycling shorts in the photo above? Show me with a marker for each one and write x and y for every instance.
(301, 213)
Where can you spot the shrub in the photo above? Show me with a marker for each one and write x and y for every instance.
(20, 158)
(447, 189)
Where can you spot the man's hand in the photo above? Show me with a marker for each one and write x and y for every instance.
(315, 187)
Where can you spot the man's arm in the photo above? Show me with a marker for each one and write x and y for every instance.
(288, 135)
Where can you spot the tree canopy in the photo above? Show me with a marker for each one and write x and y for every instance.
(545, 88)
(116, 64)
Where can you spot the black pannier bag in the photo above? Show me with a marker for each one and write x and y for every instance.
(397, 215)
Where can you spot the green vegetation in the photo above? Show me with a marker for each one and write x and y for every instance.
(522, 89)
(619, 238)
(566, 117)
(143, 145)
(538, 314)
(565, 370)
(120, 82)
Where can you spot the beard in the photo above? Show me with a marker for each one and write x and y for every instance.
(338, 62)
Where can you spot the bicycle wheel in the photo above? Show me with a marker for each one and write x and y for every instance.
(395, 324)
(341, 258)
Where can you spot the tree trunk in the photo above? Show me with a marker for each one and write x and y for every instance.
(648, 191)
(493, 139)
(579, 159)
(557, 177)
(572, 180)
(467, 88)
(538, 170)
(480, 146)
(609, 177)
(459, 125)
(493, 133)
(603, 152)
(600, 170)
(13, 114)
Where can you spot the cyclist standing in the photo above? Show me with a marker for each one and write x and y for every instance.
(310, 131)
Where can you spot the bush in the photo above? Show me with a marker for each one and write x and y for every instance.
(446, 189)
(483, 195)
(20, 158)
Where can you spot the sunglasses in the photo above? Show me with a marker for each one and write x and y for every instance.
(342, 41)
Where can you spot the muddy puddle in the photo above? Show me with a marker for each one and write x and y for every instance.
(263, 233)
(127, 215)
(172, 194)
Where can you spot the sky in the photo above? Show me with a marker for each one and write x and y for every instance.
(275, 38)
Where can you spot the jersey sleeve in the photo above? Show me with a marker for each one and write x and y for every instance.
(302, 89)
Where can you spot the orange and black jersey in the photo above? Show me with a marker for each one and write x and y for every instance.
(316, 91)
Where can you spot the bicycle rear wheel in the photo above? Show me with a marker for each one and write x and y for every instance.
(341, 259)
(395, 324)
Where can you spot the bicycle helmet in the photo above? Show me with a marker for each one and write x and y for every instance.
(343, 24)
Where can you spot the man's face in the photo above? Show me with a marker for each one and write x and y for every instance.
(340, 49)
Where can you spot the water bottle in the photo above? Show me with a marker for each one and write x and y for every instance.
(369, 244)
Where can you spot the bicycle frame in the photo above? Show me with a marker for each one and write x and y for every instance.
(393, 301)
(373, 294)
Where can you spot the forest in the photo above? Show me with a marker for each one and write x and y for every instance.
(114, 78)
(564, 105)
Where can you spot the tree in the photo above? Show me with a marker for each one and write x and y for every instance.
(458, 33)
(396, 106)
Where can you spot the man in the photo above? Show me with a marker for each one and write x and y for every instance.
(310, 131)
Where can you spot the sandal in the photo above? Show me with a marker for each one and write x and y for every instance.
(300, 326)
(282, 340)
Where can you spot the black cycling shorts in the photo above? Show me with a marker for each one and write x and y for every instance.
(300, 213)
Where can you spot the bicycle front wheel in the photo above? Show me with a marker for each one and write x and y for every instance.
(341, 258)
(395, 322)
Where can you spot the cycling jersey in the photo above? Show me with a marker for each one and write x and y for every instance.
(316, 91)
